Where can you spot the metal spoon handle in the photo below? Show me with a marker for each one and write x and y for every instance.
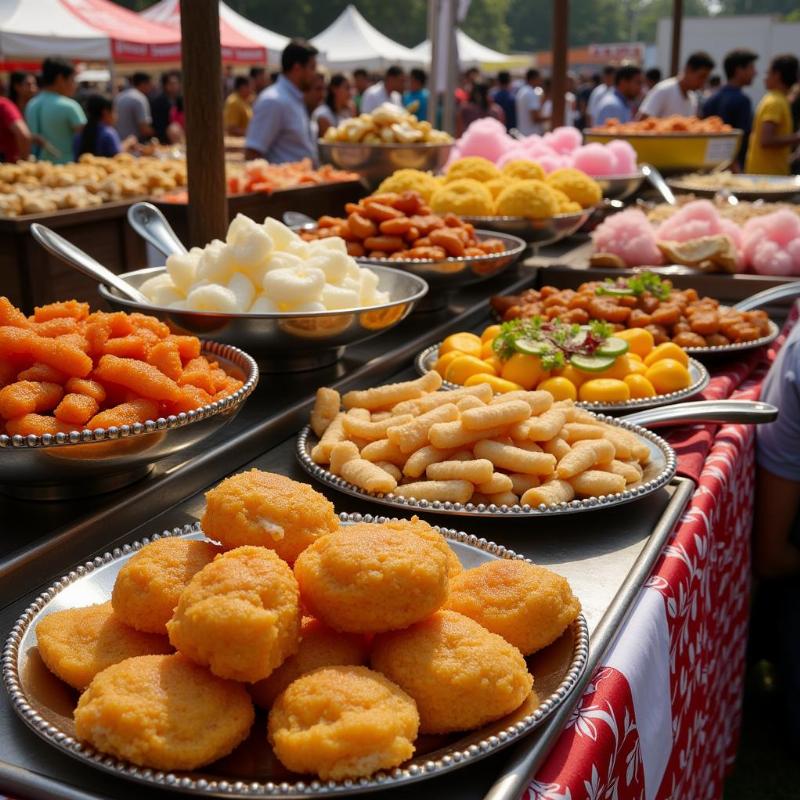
(71, 254)
(785, 291)
(745, 411)
(152, 226)
(658, 182)
(296, 219)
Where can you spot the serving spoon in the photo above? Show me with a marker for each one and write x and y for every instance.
(152, 226)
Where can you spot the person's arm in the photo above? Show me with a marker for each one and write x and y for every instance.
(264, 128)
(768, 136)
(650, 105)
(323, 123)
(144, 123)
(22, 136)
(776, 507)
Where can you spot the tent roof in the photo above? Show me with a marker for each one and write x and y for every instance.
(469, 51)
(88, 29)
(242, 40)
(350, 42)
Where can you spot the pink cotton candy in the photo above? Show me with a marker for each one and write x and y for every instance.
(513, 154)
(552, 162)
(695, 219)
(630, 236)
(624, 156)
(485, 137)
(595, 160)
(565, 139)
(769, 259)
(771, 243)
(733, 232)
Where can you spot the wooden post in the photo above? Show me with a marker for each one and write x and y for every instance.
(558, 77)
(677, 24)
(201, 59)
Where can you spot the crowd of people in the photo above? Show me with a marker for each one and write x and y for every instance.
(281, 115)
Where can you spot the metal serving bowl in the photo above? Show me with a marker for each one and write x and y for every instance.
(293, 340)
(534, 231)
(90, 462)
(374, 162)
(620, 187)
(770, 188)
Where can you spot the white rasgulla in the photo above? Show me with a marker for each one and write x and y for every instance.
(214, 265)
(212, 297)
(160, 290)
(249, 243)
(293, 286)
(331, 262)
(336, 297)
(244, 290)
(263, 305)
(281, 235)
(181, 268)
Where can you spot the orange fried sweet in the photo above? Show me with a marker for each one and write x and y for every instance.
(145, 379)
(91, 389)
(25, 397)
(167, 357)
(42, 372)
(57, 353)
(67, 308)
(125, 414)
(76, 409)
(36, 425)
(10, 315)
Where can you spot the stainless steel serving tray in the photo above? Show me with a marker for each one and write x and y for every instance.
(737, 347)
(699, 374)
(45, 704)
(657, 473)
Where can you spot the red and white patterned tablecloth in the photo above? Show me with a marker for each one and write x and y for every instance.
(661, 716)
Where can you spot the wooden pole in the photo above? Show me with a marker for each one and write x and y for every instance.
(558, 78)
(677, 24)
(433, 76)
(201, 59)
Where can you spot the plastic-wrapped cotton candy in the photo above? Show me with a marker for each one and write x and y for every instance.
(771, 243)
(564, 140)
(594, 160)
(624, 157)
(695, 219)
(630, 236)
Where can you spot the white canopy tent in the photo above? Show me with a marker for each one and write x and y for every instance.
(470, 52)
(350, 42)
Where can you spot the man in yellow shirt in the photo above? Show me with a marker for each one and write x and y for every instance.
(237, 112)
(773, 136)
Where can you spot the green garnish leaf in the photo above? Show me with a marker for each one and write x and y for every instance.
(637, 285)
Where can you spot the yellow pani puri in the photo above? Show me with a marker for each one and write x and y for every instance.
(163, 712)
(343, 722)
(267, 510)
(240, 615)
(528, 605)
(77, 643)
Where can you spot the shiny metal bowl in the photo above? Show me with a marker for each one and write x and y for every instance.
(374, 162)
(620, 187)
(294, 340)
(89, 462)
(534, 231)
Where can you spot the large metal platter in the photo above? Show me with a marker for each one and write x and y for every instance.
(779, 187)
(738, 347)
(45, 704)
(657, 473)
(699, 374)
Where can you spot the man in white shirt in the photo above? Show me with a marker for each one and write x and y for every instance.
(529, 104)
(597, 94)
(678, 95)
(389, 90)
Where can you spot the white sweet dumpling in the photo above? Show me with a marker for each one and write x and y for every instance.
(336, 297)
(212, 297)
(294, 286)
(263, 305)
(281, 235)
(280, 260)
(310, 308)
(214, 265)
(181, 268)
(332, 263)
(243, 289)
(160, 290)
(249, 244)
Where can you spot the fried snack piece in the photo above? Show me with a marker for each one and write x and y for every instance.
(371, 577)
(125, 414)
(36, 425)
(320, 646)
(142, 378)
(420, 528)
(163, 712)
(28, 397)
(240, 615)
(77, 643)
(149, 585)
(460, 675)
(528, 605)
(76, 409)
(343, 722)
(268, 510)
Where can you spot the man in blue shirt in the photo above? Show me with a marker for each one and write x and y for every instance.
(730, 102)
(280, 129)
(416, 98)
(617, 103)
(505, 98)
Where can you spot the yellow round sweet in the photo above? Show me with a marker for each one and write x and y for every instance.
(526, 370)
(529, 198)
(418, 527)
(475, 167)
(496, 185)
(560, 387)
(523, 169)
(619, 369)
(640, 340)
(639, 386)
(487, 349)
(443, 361)
(467, 343)
(668, 375)
(576, 185)
(459, 369)
(499, 385)
(466, 197)
(410, 180)
(637, 366)
(604, 390)
(667, 350)
(573, 375)
(163, 712)
(494, 362)
(490, 333)
(634, 357)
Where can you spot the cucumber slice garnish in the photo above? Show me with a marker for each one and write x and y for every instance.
(532, 347)
(617, 291)
(595, 363)
(613, 346)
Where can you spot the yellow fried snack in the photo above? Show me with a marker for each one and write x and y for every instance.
(460, 675)
(370, 578)
(475, 167)
(343, 722)
(528, 198)
(528, 605)
(576, 185)
(77, 643)
(163, 712)
(464, 196)
(149, 584)
(409, 180)
(523, 169)
(268, 510)
(240, 615)
(320, 646)
(326, 407)
(420, 528)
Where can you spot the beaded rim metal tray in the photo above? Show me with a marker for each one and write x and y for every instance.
(567, 660)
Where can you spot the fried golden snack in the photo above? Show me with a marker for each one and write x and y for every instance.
(130, 711)
(77, 643)
(148, 586)
(240, 615)
(528, 605)
(343, 722)
(460, 675)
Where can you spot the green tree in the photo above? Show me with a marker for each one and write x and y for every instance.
(648, 12)
(487, 22)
